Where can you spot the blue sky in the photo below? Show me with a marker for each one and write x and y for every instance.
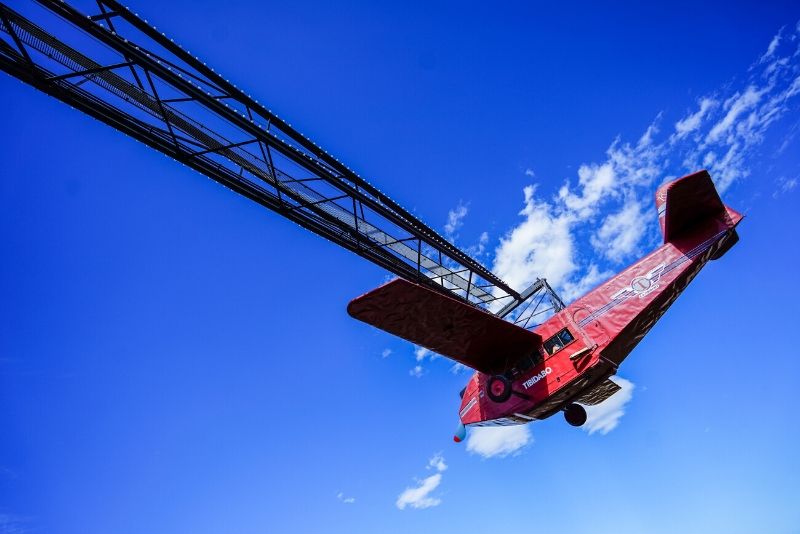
(174, 358)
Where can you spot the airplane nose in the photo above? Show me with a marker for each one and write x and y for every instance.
(461, 433)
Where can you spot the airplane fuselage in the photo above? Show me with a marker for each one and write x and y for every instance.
(585, 343)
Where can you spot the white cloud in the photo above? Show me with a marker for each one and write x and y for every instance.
(736, 129)
(437, 462)
(692, 122)
(735, 106)
(773, 45)
(458, 368)
(591, 278)
(785, 185)
(419, 497)
(595, 182)
(492, 441)
(420, 354)
(529, 172)
(345, 500)
(605, 416)
(455, 219)
(541, 245)
(621, 232)
(544, 243)
(386, 353)
(479, 249)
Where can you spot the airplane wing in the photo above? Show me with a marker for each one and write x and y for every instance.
(445, 325)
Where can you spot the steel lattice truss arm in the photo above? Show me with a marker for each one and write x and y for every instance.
(117, 68)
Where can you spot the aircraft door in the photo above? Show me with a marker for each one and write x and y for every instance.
(566, 349)
(591, 328)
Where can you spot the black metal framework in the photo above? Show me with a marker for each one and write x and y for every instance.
(121, 70)
(534, 306)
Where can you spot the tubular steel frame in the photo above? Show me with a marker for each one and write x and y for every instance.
(122, 71)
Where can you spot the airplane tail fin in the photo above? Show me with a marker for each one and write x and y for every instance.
(691, 204)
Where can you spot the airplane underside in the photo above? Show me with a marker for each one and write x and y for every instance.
(617, 315)
(566, 362)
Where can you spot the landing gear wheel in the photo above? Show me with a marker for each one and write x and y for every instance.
(498, 388)
(575, 414)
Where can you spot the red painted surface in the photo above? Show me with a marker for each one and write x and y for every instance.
(606, 324)
(444, 325)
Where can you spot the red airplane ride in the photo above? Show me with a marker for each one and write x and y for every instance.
(524, 375)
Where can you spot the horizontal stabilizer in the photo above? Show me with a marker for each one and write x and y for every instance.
(599, 393)
(445, 325)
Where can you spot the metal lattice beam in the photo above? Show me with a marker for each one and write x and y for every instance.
(138, 81)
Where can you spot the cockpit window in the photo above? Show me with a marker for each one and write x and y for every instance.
(558, 341)
(565, 336)
(552, 345)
